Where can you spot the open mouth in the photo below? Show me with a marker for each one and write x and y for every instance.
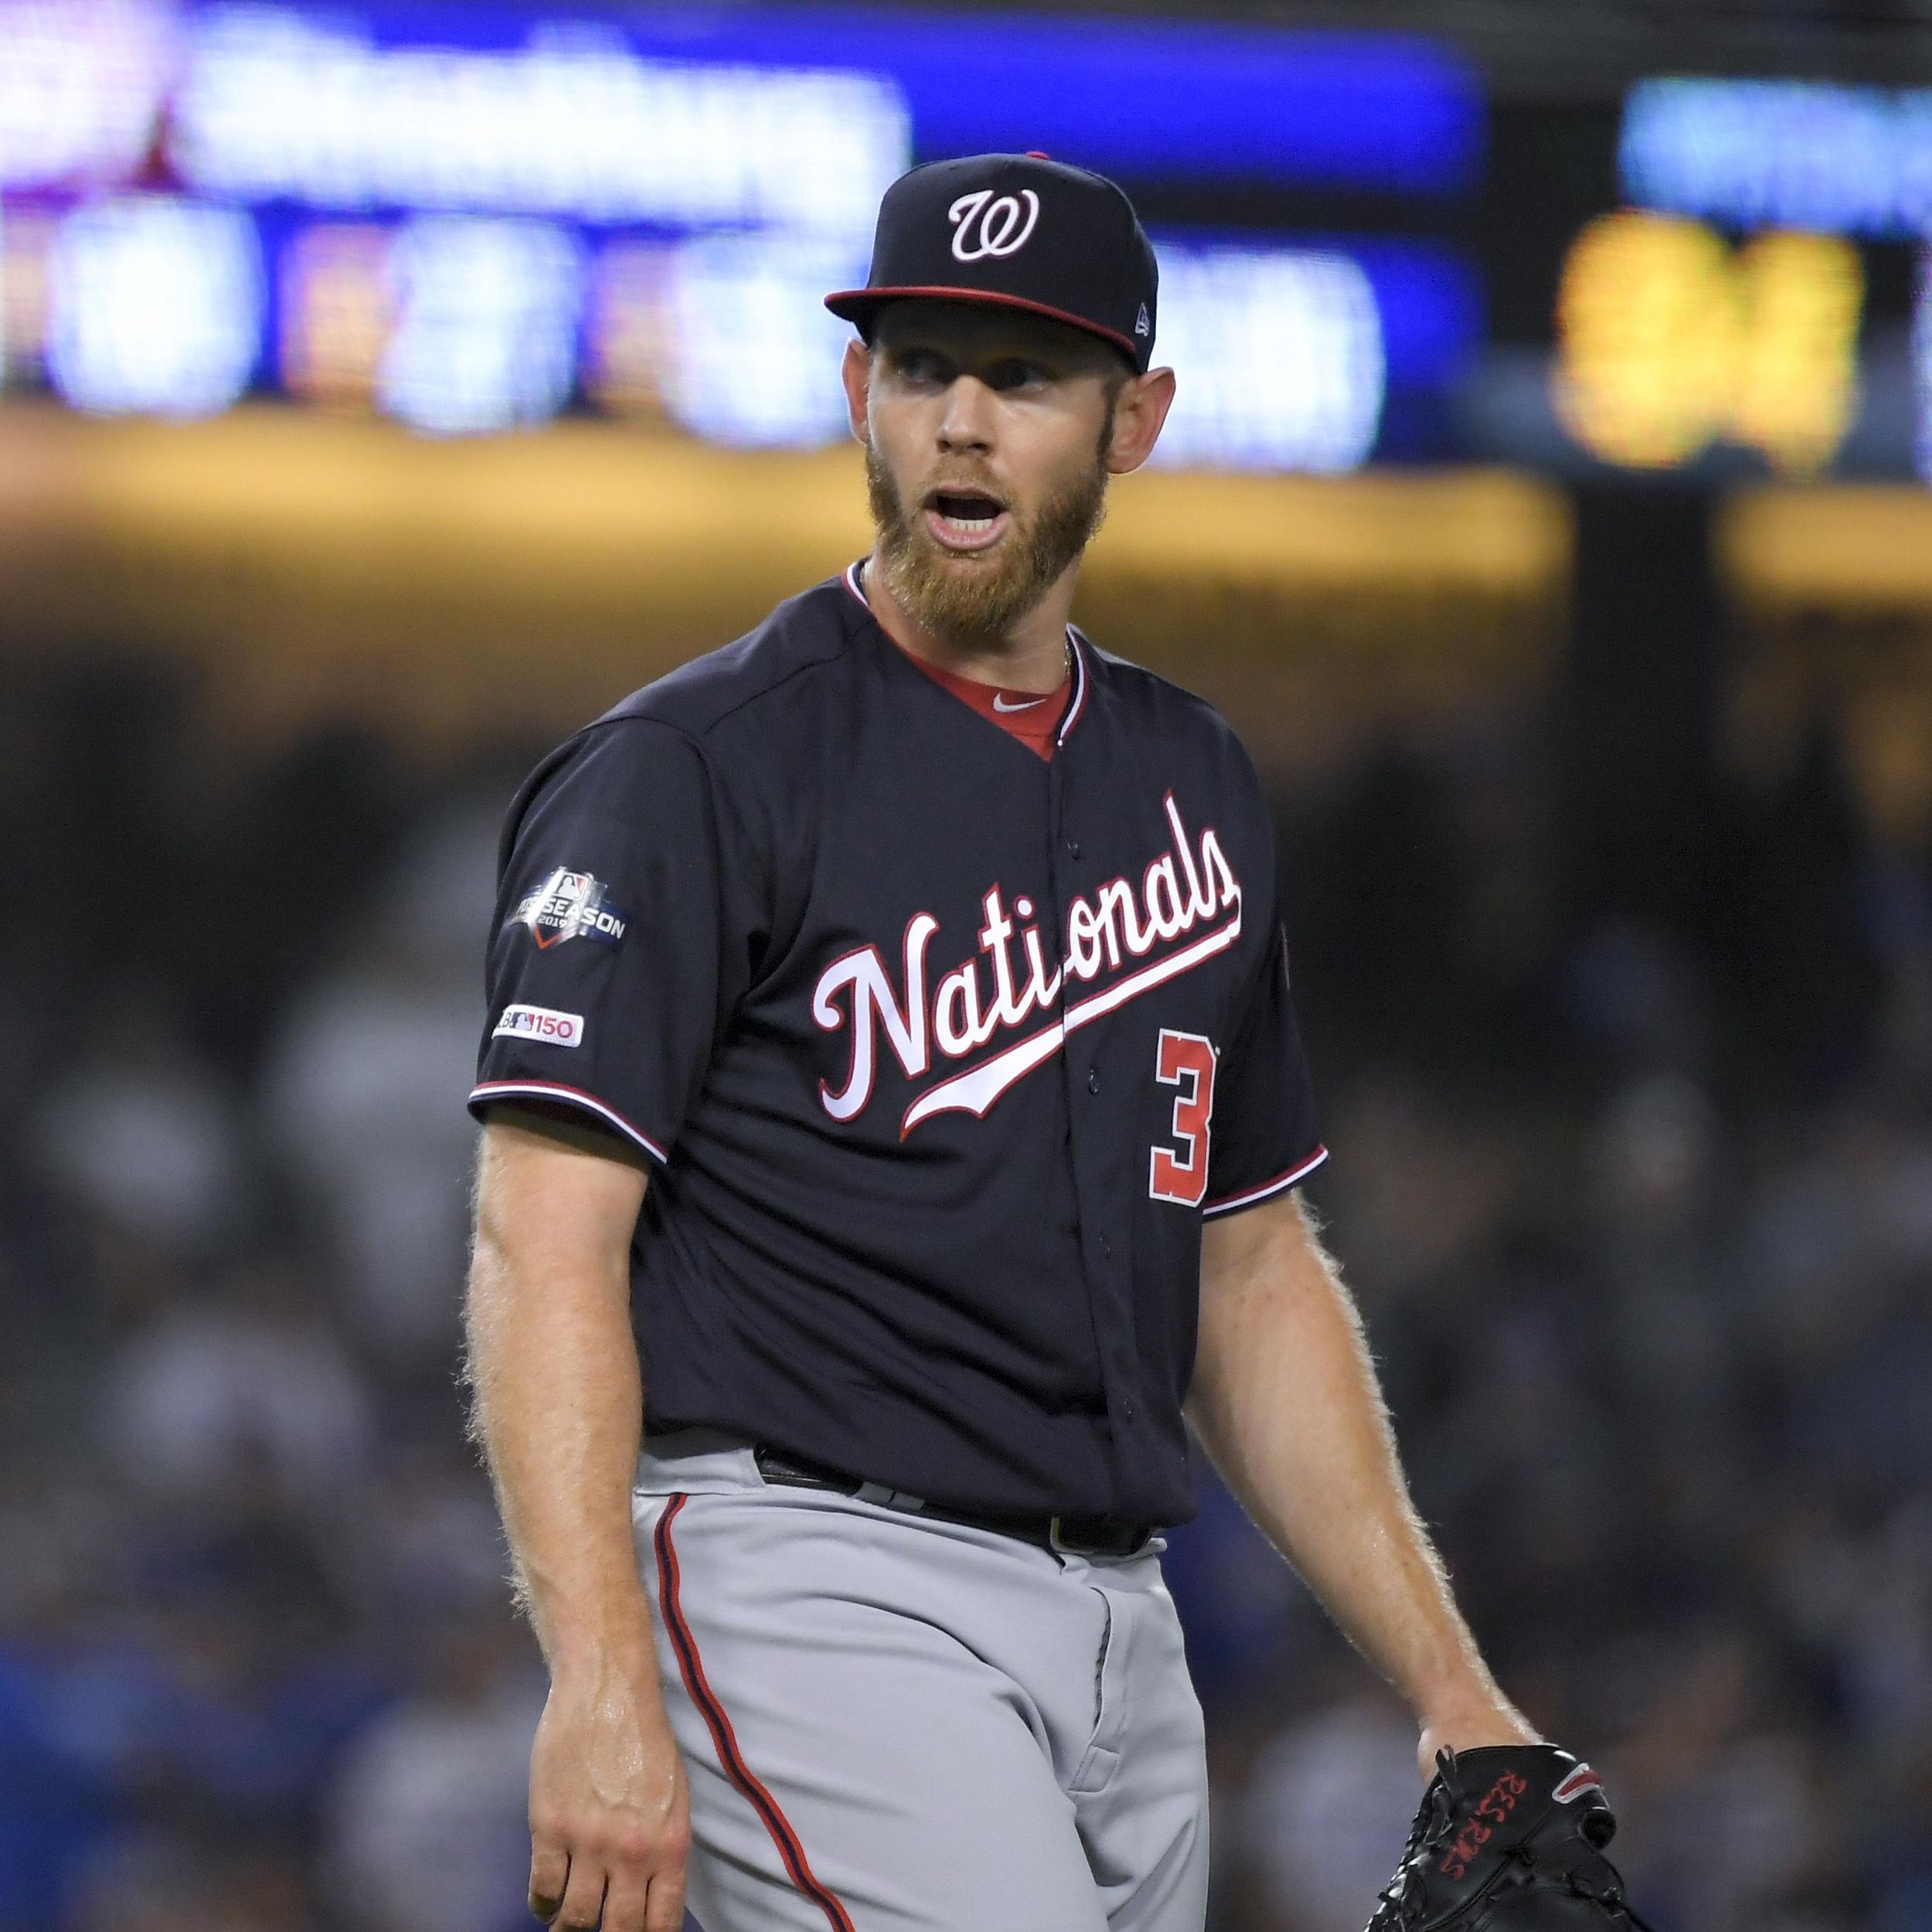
(965, 520)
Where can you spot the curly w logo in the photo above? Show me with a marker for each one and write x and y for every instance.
(984, 225)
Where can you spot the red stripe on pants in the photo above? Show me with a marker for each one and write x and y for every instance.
(690, 1668)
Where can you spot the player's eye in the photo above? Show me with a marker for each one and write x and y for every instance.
(922, 366)
(1016, 372)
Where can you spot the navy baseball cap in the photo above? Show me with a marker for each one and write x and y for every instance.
(1019, 231)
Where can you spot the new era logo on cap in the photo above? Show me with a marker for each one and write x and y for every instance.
(1019, 231)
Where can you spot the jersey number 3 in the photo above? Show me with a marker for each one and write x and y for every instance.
(1184, 1060)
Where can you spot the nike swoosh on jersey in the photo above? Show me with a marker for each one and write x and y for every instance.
(1000, 703)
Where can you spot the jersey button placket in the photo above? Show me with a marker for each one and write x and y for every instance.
(1087, 1137)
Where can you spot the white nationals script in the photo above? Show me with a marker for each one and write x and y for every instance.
(1188, 887)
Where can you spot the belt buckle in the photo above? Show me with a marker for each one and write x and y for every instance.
(1057, 1539)
(1119, 1547)
(903, 1500)
(775, 1466)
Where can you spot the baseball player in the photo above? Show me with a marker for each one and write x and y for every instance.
(893, 1114)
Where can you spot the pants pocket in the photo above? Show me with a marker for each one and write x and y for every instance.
(1094, 1771)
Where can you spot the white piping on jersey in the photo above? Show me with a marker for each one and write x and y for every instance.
(570, 1097)
(1079, 686)
(1074, 646)
(1248, 1196)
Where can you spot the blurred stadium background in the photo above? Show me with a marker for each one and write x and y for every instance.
(389, 386)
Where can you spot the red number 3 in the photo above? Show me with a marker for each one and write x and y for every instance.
(1184, 1060)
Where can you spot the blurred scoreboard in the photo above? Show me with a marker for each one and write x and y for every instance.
(469, 219)
(1760, 300)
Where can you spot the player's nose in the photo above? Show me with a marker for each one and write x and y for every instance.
(967, 422)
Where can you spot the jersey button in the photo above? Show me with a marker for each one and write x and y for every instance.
(1092, 1080)
(1073, 849)
(1107, 1249)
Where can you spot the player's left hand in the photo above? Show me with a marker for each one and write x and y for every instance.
(1509, 1837)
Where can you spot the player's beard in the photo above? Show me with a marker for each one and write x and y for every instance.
(978, 598)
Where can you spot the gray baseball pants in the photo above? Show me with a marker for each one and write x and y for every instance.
(892, 1722)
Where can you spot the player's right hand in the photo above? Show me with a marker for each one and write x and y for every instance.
(610, 1813)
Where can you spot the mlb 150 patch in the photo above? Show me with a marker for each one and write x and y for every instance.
(540, 1023)
(571, 905)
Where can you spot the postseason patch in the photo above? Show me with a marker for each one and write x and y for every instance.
(571, 905)
(540, 1023)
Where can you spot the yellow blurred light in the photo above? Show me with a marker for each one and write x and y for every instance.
(1668, 340)
(1787, 552)
(539, 577)
(1797, 379)
(1647, 315)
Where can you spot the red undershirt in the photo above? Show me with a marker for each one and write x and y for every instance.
(1031, 716)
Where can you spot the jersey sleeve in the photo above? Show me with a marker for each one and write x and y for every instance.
(1264, 1138)
(610, 964)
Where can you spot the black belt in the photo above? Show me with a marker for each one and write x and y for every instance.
(1070, 1536)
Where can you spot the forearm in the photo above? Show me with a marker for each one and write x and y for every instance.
(1286, 1402)
(557, 1410)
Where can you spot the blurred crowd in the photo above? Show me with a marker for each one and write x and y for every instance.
(1638, 1199)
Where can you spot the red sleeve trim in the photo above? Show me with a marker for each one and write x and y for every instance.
(569, 1097)
(1233, 1203)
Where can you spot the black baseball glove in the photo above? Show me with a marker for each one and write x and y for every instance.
(1510, 1838)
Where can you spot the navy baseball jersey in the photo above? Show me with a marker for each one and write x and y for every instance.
(941, 1051)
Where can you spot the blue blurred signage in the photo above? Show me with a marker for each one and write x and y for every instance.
(575, 123)
(471, 218)
(696, 98)
(1753, 154)
(156, 304)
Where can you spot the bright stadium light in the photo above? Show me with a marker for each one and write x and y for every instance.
(155, 305)
(274, 102)
(486, 320)
(753, 354)
(1280, 359)
(81, 85)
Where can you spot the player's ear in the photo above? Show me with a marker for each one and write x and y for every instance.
(855, 373)
(1139, 410)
